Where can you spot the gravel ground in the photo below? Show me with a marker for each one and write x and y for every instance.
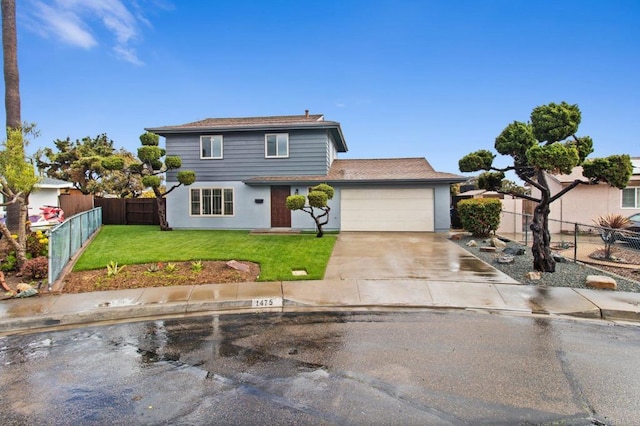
(568, 274)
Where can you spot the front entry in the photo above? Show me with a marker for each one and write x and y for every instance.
(280, 214)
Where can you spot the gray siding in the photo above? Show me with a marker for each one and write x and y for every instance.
(247, 213)
(244, 156)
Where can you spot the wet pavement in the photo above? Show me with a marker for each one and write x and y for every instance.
(406, 255)
(367, 271)
(428, 367)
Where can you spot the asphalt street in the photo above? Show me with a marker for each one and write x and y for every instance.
(426, 367)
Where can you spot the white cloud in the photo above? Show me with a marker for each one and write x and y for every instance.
(70, 22)
(64, 25)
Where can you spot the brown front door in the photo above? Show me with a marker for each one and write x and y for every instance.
(280, 214)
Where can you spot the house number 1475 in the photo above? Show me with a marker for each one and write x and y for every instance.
(267, 302)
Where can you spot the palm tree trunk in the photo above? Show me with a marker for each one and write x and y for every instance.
(11, 74)
(11, 94)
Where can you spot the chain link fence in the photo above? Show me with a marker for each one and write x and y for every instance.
(68, 237)
(572, 235)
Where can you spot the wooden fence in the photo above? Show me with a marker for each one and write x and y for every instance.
(128, 211)
(72, 204)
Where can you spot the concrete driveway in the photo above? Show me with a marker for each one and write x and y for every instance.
(407, 255)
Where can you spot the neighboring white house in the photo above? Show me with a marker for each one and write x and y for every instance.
(46, 193)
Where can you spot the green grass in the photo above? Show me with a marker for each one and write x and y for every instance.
(276, 254)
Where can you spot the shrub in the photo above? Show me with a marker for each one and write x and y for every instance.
(197, 266)
(611, 225)
(480, 216)
(37, 244)
(36, 268)
(154, 267)
(113, 269)
(9, 263)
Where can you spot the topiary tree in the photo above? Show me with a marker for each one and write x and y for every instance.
(480, 216)
(318, 198)
(151, 167)
(546, 145)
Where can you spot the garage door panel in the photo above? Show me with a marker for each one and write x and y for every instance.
(406, 194)
(388, 225)
(398, 209)
(387, 205)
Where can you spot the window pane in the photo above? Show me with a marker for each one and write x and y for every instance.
(195, 202)
(206, 201)
(271, 145)
(217, 146)
(228, 201)
(205, 146)
(217, 201)
(282, 145)
(629, 197)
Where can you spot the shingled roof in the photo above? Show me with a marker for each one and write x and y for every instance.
(384, 170)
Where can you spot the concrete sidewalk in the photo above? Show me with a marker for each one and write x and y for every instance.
(30, 314)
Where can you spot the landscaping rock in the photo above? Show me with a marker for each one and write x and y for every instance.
(601, 282)
(506, 259)
(514, 251)
(488, 249)
(25, 290)
(237, 266)
(558, 258)
(456, 237)
(495, 242)
(534, 275)
(472, 243)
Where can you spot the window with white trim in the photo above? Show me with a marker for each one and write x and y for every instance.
(631, 197)
(211, 146)
(276, 145)
(211, 201)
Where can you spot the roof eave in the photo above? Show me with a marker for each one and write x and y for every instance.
(299, 180)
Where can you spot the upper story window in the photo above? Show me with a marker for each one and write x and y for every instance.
(631, 197)
(211, 146)
(276, 145)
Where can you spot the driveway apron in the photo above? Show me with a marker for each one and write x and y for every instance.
(407, 255)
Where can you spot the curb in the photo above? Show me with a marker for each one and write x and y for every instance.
(135, 313)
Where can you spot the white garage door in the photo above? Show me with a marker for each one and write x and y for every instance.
(393, 209)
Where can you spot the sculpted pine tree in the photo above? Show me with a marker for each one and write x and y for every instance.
(546, 145)
(317, 207)
(151, 167)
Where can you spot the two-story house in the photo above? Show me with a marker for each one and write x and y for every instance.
(246, 167)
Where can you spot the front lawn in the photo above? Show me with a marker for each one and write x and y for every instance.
(277, 255)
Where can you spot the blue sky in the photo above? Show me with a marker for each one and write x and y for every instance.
(434, 79)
